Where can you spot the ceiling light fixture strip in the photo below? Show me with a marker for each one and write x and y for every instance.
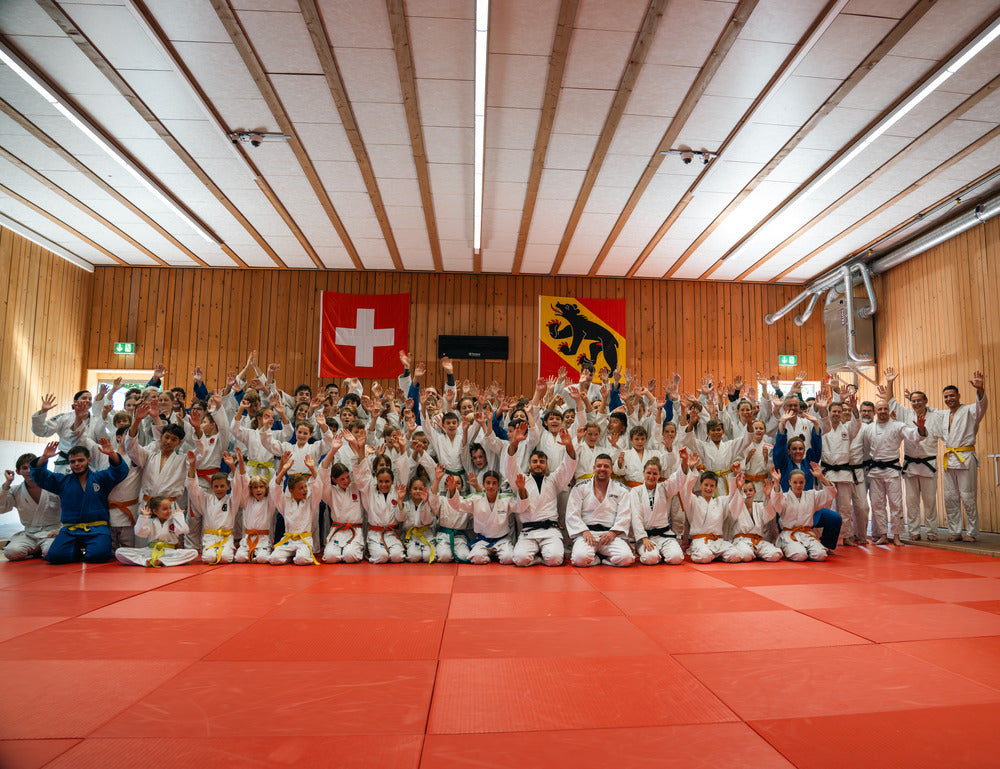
(482, 33)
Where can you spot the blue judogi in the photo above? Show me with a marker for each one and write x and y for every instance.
(84, 512)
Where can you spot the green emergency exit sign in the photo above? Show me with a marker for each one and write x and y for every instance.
(124, 348)
(788, 360)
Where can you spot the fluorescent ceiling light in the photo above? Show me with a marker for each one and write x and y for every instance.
(77, 120)
(48, 245)
(482, 27)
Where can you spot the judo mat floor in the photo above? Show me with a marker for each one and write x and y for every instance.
(880, 657)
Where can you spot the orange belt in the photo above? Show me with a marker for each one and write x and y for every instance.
(756, 478)
(633, 484)
(124, 507)
(205, 473)
(252, 537)
(755, 539)
(801, 529)
(342, 526)
(706, 537)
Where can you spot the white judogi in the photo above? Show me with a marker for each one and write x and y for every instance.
(633, 465)
(451, 541)
(585, 512)
(539, 514)
(258, 515)
(491, 522)
(653, 518)
(418, 522)
(300, 519)
(41, 521)
(123, 506)
(750, 532)
(316, 450)
(384, 515)
(961, 465)
(718, 457)
(163, 538)
(218, 517)
(920, 468)
(885, 486)
(346, 540)
(796, 540)
(842, 473)
(62, 426)
(706, 520)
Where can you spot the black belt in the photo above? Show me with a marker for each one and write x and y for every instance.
(665, 531)
(918, 461)
(853, 469)
(878, 464)
(539, 525)
(597, 527)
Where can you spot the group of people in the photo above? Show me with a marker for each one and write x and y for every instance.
(602, 470)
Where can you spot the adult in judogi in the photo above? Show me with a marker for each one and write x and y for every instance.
(599, 505)
(959, 425)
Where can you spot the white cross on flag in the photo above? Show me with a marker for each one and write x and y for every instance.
(361, 335)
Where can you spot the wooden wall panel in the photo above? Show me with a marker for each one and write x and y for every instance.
(214, 318)
(937, 323)
(45, 309)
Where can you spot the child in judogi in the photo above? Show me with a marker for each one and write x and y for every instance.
(217, 510)
(420, 507)
(795, 509)
(162, 525)
(452, 543)
(123, 501)
(258, 511)
(346, 541)
(632, 462)
(299, 504)
(649, 506)
(707, 515)
(492, 514)
(380, 497)
(749, 535)
(37, 508)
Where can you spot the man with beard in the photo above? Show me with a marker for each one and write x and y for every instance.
(540, 513)
(83, 495)
(600, 505)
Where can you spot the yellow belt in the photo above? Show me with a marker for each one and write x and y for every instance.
(224, 535)
(585, 476)
(419, 532)
(266, 467)
(949, 450)
(301, 536)
(158, 547)
(84, 526)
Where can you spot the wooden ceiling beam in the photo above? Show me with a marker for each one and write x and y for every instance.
(74, 201)
(51, 144)
(66, 24)
(553, 88)
(55, 220)
(878, 173)
(876, 55)
(335, 82)
(411, 104)
(255, 67)
(978, 144)
(637, 57)
(726, 40)
(797, 194)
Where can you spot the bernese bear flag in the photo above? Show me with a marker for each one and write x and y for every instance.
(361, 335)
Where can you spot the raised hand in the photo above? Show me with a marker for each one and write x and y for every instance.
(520, 481)
(191, 458)
(8, 477)
(890, 374)
(978, 381)
(159, 371)
(198, 375)
(51, 449)
(404, 358)
(419, 370)
(447, 365)
(105, 446)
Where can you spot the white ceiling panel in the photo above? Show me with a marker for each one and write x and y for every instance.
(506, 128)
(597, 58)
(443, 48)
(516, 81)
(352, 24)
(282, 41)
(441, 40)
(524, 26)
(582, 111)
(370, 74)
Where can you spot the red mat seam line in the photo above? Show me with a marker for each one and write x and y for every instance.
(837, 627)
(774, 747)
(75, 740)
(895, 648)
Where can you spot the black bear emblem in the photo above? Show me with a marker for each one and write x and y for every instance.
(582, 329)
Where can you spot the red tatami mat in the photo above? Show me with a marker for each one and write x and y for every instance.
(879, 657)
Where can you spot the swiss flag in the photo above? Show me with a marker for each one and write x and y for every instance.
(361, 335)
